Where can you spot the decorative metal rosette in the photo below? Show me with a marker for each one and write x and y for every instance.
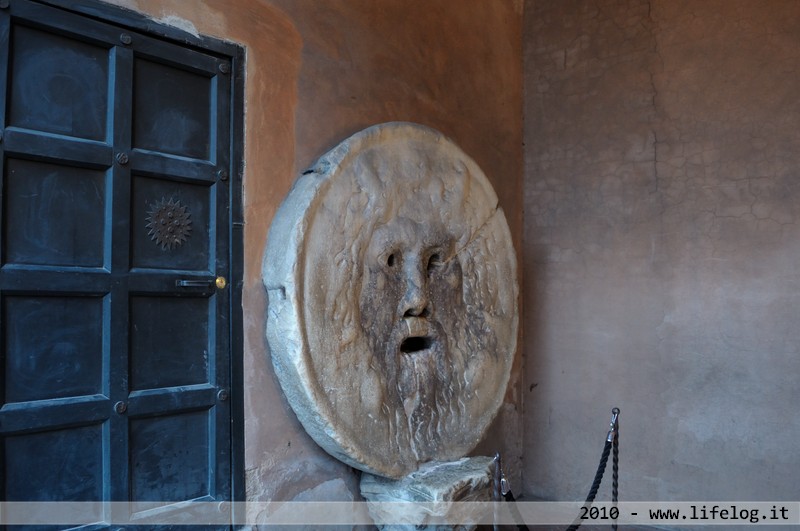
(169, 223)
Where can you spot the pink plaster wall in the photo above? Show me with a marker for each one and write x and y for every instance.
(662, 198)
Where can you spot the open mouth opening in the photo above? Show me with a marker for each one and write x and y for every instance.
(415, 344)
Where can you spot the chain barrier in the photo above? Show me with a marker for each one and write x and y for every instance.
(611, 446)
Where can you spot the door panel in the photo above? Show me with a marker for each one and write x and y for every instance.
(170, 342)
(33, 466)
(62, 359)
(172, 110)
(169, 457)
(55, 215)
(171, 224)
(115, 348)
(58, 85)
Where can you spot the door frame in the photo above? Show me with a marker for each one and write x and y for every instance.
(126, 18)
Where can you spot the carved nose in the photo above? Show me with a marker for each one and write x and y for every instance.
(417, 307)
(415, 301)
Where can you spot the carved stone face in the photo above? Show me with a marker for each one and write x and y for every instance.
(392, 300)
(410, 297)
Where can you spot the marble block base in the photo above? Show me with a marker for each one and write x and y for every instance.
(432, 486)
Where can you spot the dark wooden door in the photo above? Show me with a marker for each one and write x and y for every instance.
(114, 263)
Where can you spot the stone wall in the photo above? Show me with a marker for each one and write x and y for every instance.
(318, 71)
(661, 246)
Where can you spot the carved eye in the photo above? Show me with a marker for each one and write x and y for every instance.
(434, 262)
(391, 260)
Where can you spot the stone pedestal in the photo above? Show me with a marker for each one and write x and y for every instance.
(431, 488)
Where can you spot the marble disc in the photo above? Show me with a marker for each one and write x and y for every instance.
(392, 318)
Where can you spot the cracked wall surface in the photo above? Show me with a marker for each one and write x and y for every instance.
(661, 246)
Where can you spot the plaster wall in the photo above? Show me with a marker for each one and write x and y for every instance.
(661, 244)
(318, 71)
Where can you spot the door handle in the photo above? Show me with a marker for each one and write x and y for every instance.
(194, 283)
(218, 282)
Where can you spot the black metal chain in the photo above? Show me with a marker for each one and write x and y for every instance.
(598, 478)
(612, 442)
(615, 471)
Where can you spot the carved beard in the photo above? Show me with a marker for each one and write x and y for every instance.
(422, 384)
(425, 391)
